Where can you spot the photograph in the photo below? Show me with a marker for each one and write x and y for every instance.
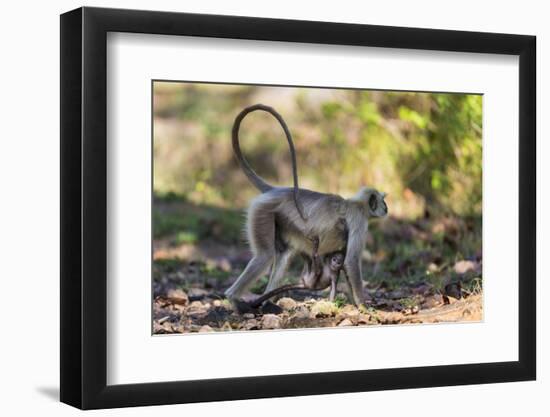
(349, 204)
(300, 207)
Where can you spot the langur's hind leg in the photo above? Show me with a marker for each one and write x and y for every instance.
(317, 263)
(282, 259)
(261, 234)
(257, 266)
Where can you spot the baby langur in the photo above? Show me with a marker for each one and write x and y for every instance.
(319, 274)
(317, 278)
(314, 277)
(282, 220)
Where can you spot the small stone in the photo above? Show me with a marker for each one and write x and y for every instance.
(197, 292)
(345, 322)
(301, 312)
(206, 329)
(323, 308)
(178, 328)
(271, 321)
(178, 296)
(226, 327)
(350, 311)
(196, 308)
(252, 324)
(461, 267)
(217, 303)
(196, 305)
(248, 316)
(287, 303)
(363, 319)
(167, 327)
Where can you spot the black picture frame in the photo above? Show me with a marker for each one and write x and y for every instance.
(84, 207)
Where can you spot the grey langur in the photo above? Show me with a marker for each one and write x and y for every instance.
(283, 222)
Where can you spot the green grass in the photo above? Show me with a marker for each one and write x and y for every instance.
(340, 300)
(188, 223)
(186, 237)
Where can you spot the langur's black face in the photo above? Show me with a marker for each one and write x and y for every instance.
(377, 205)
(336, 261)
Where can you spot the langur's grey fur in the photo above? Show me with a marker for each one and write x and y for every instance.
(278, 228)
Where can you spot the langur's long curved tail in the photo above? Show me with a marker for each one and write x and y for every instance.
(254, 178)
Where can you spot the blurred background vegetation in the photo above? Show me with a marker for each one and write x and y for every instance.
(423, 149)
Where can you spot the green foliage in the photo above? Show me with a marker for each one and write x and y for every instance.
(414, 117)
(340, 300)
(186, 237)
(259, 286)
(167, 224)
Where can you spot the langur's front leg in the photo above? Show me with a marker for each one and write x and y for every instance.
(333, 283)
(352, 264)
(353, 271)
(349, 292)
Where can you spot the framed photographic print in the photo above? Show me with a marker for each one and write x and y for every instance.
(257, 208)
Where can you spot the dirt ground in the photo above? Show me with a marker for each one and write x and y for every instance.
(424, 271)
(205, 310)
